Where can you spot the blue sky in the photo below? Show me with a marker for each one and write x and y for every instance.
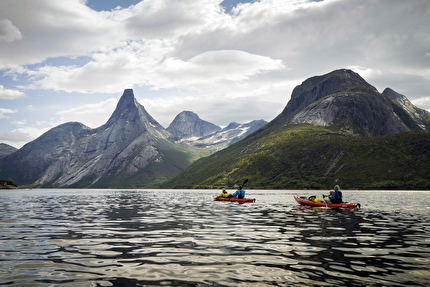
(227, 61)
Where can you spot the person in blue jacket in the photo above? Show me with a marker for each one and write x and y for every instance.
(240, 193)
(336, 196)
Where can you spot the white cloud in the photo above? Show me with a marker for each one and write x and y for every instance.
(19, 123)
(113, 71)
(216, 108)
(109, 71)
(8, 94)
(15, 138)
(19, 137)
(171, 18)
(212, 67)
(8, 32)
(54, 29)
(92, 115)
(423, 103)
(3, 113)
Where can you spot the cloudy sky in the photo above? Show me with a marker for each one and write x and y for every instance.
(231, 60)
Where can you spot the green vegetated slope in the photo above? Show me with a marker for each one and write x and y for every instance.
(313, 157)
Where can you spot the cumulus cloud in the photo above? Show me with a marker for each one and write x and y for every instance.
(8, 94)
(110, 72)
(171, 18)
(213, 66)
(43, 23)
(8, 32)
(92, 115)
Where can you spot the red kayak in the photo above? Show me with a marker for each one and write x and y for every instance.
(240, 200)
(307, 202)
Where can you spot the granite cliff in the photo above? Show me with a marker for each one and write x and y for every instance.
(344, 99)
(130, 150)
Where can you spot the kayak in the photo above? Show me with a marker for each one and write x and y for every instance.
(240, 200)
(307, 202)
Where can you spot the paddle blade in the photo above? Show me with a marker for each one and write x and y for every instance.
(246, 180)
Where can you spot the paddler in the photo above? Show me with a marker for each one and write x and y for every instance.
(336, 196)
(225, 194)
(240, 193)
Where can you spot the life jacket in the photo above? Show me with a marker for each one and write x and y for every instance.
(315, 199)
(336, 197)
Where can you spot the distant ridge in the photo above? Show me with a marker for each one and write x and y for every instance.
(6, 149)
(188, 124)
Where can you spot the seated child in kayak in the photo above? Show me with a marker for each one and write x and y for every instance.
(225, 194)
(315, 199)
(326, 198)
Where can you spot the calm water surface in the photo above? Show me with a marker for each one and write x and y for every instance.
(184, 238)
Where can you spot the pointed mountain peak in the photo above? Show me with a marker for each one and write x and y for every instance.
(129, 114)
(127, 100)
(126, 108)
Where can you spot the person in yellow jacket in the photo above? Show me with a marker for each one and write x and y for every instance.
(315, 199)
(225, 194)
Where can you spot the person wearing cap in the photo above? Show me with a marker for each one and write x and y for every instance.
(336, 196)
(240, 193)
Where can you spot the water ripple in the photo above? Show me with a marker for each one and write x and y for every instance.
(183, 238)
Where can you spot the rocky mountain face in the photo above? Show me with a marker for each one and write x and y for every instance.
(6, 149)
(188, 128)
(336, 129)
(229, 135)
(416, 119)
(344, 99)
(131, 149)
(188, 124)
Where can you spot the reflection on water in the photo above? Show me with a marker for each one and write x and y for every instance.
(184, 238)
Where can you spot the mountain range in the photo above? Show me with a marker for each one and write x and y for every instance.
(131, 150)
(336, 129)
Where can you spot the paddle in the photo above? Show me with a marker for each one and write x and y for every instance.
(246, 180)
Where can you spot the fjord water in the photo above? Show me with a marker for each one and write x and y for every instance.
(184, 238)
